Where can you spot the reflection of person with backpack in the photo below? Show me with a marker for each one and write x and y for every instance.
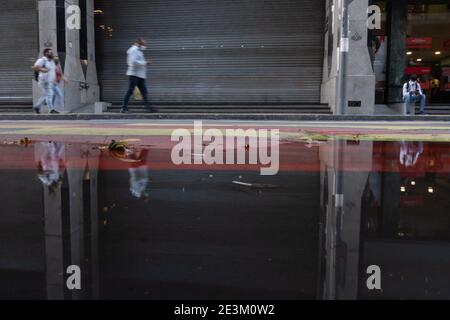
(45, 75)
(51, 164)
(412, 93)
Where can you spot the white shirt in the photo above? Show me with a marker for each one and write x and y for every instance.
(413, 86)
(137, 66)
(46, 77)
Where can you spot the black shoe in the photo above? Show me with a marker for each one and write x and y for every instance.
(54, 112)
(422, 113)
(124, 110)
(37, 110)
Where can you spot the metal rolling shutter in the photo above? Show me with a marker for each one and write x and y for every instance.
(215, 51)
(18, 50)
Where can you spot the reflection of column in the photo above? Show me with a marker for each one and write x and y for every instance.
(82, 167)
(343, 226)
(93, 164)
(54, 244)
(82, 164)
(397, 25)
(75, 176)
(54, 257)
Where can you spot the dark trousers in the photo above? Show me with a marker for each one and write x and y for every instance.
(133, 83)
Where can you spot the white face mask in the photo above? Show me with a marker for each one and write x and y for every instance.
(143, 48)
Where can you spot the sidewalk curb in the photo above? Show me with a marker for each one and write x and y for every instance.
(221, 116)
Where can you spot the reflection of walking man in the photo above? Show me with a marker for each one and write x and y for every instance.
(137, 73)
(45, 67)
(139, 176)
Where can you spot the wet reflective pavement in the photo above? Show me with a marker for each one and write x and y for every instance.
(141, 227)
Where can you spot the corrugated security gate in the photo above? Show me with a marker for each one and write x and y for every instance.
(18, 50)
(215, 51)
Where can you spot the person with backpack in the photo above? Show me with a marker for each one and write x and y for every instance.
(45, 75)
(57, 93)
(412, 93)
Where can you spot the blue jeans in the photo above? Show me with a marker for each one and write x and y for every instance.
(133, 83)
(57, 94)
(409, 100)
(47, 93)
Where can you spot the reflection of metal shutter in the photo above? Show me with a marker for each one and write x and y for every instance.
(18, 49)
(215, 51)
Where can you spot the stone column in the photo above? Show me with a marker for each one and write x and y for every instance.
(93, 90)
(80, 89)
(73, 69)
(328, 88)
(360, 77)
(397, 24)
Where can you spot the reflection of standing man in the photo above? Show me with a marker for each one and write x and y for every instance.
(137, 73)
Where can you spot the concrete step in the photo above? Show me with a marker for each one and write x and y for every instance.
(307, 109)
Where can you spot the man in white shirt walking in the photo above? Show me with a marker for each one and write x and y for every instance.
(137, 74)
(412, 93)
(46, 69)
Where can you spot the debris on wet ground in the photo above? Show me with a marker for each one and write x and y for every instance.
(120, 150)
(22, 141)
(25, 141)
(311, 143)
(120, 146)
(242, 184)
(254, 185)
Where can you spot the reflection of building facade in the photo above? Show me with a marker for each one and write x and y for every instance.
(222, 54)
(394, 215)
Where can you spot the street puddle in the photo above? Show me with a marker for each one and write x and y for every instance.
(139, 226)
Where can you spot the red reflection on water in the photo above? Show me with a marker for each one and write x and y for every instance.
(408, 158)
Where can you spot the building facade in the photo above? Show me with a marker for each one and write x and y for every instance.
(269, 55)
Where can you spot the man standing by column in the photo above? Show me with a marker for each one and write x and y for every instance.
(45, 68)
(137, 74)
